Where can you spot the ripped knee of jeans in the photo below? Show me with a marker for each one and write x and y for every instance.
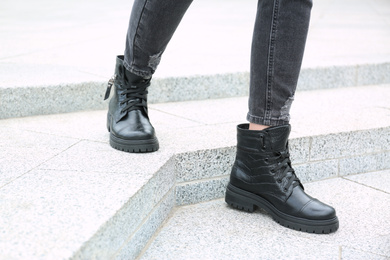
(154, 60)
(285, 111)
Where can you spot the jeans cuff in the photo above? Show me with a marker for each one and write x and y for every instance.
(145, 74)
(266, 121)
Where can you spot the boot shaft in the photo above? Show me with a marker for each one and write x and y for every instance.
(272, 139)
(262, 163)
(130, 92)
(125, 79)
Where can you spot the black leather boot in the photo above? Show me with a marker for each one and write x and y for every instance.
(127, 117)
(262, 176)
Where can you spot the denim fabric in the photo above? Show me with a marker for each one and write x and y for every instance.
(152, 24)
(278, 44)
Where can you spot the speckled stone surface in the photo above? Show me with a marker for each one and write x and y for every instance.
(136, 243)
(213, 230)
(205, 190)
(356, 254)
(312, 171)
(204, 164)
(299, 150)
(42, 100)
(59, 173)
(341, 145)
(364, 163)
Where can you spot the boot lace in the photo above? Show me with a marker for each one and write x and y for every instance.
(135, 96)
(283, 170)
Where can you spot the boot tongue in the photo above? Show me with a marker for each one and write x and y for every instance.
(279, 137)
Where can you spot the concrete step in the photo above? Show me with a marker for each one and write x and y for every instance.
(213, 230)
(76, 95)
(65, 193)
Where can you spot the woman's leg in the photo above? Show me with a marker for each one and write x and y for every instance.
(262, 174)
(152, 24)
(151, 27)
(277, 49)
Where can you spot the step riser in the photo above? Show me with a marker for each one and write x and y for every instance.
(42, 100)
(200, 176)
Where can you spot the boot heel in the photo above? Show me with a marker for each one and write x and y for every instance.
(238, 201)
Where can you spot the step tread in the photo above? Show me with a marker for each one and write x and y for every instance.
(213, 230)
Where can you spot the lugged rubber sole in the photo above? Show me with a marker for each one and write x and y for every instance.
(248, 201)
(134, 146)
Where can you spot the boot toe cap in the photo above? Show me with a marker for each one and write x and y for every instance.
(317, 210)
(134, 126)
(141, 134)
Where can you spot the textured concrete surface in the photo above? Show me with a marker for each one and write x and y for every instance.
(213, 230)
(65, 192)
(56, 57)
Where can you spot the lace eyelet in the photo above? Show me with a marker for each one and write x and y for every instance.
(279, 180)
(285, 189)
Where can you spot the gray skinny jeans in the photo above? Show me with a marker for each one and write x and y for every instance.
(278, 44)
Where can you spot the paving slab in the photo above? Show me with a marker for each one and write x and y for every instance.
(213, 230)
(42, 221)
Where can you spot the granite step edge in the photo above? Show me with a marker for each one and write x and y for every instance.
(80, 96)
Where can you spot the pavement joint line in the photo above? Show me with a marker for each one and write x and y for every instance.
(46, 133)
(340, 252)
(345, 177)
(178, 116)
(344, 157)
(37, 166)
(202, 180)
(359, 249)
